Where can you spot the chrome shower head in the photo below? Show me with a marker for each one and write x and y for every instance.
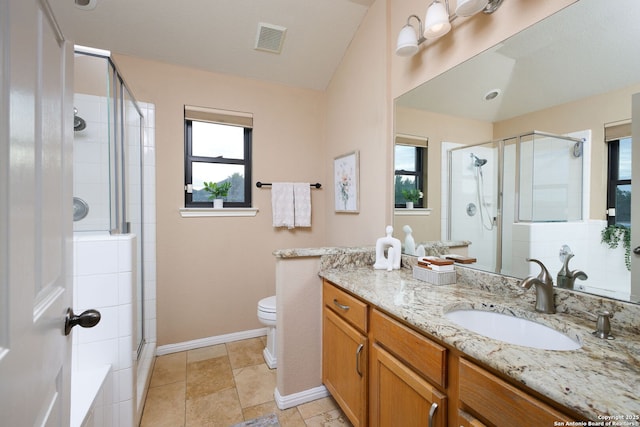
(78, 122)
(477, 162)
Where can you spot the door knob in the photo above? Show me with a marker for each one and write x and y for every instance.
(636, 250)
(86, 319)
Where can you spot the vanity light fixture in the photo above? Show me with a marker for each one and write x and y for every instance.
(437, 22)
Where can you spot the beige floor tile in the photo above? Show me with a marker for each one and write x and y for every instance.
(205, 353)
(208, 376)
(287, 418)
(317, 407)
(220, 409)
(165, 406)
(333, 418)
(245, 353)
(255, 384)
(169, 369)
(291, 418)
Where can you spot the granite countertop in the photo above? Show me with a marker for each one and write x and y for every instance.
(601, 379)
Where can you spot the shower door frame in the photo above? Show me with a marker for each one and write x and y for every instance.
(500, 185)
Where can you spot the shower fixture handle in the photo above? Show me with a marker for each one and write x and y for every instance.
(86, 319)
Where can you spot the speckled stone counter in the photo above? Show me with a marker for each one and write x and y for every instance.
(600, 379)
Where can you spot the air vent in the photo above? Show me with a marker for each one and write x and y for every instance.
(270, 38)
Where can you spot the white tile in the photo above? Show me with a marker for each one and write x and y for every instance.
(125, 320)
(125, 380)
(125, 287)
(125, 351)
(96, 290)
(99, 257)
(125, 414)
(125, 254)
(92, 355)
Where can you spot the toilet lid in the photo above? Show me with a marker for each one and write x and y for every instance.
(267, 304)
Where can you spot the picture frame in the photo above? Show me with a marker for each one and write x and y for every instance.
(346, 182)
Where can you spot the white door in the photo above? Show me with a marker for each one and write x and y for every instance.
(36, 115)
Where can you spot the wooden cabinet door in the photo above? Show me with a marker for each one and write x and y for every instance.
(401, 398)
(344, 366)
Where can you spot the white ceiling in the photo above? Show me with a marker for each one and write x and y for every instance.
(220, 35)
(589, 48)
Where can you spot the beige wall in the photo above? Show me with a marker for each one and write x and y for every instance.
(212, 271)
(358, 118)
(591, 113)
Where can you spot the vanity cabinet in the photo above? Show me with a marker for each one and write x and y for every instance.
(411, 379)
(404, 371)
(345, 351)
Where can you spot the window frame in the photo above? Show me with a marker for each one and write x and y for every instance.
(613, 173)
(419, 173)
(190, 159)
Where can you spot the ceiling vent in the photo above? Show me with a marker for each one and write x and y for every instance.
(270, 38)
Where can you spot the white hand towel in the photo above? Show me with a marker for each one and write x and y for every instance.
(282, 204)
(302, 204)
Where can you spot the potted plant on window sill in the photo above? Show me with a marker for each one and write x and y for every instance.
(217, 192)
(412, 196)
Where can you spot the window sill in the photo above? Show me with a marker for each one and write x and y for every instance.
(412, 212)
(204, 212)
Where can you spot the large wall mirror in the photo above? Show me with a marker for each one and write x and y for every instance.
(525, 142)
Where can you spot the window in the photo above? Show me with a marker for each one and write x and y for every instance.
(619, 174)
(410, 169)
(619, 182)
(217, 149)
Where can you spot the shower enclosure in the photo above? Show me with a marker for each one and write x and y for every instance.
(114, 248)
(495, 187)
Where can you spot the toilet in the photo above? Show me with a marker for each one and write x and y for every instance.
(267, 316)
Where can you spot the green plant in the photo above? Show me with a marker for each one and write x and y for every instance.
(612, 235)
(217, 191)
(412, 195)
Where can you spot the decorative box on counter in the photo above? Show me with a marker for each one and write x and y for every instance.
(436, 271)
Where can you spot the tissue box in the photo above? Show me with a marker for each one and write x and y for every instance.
(434, 277)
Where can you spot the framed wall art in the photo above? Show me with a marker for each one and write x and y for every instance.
(346, 185)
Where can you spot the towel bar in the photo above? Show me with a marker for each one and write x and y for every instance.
(260, 184)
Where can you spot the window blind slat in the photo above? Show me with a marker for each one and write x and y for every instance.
(415, 141)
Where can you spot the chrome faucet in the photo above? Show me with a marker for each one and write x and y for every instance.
(544, 288)
(566, 278)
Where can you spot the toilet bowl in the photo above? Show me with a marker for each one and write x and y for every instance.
(267, 316)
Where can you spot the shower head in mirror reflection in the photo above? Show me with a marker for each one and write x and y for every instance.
(478, 162)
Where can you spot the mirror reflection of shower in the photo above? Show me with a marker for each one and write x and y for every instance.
(485, 217)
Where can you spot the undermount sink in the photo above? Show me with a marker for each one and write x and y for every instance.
(511, 329)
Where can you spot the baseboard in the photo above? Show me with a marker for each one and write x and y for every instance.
(205, 342)
(295, 399)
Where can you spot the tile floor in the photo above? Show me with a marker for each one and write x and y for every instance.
(223, 385)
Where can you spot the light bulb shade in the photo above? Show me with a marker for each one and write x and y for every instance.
(466, 8)
(436, 22)
(407, 41)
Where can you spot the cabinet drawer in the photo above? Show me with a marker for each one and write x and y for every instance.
(466, 420)
(346, 306)
(422, 354)
(500, 403)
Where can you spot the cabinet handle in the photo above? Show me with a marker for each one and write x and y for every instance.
(340, 306)
(358, 352)
(432, 413)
